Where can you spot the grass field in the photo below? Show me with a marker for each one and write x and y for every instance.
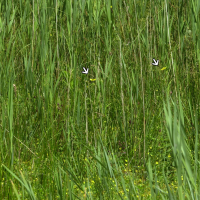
(125, 130)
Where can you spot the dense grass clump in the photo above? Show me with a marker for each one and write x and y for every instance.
(125, 130)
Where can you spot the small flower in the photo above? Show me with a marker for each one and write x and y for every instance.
(15, 88)
(164, 68)
(169, 156)
(156, 163)
(92, 79)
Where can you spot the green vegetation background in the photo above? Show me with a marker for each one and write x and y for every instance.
(127, 129)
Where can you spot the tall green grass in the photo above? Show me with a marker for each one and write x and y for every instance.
(127, 129)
